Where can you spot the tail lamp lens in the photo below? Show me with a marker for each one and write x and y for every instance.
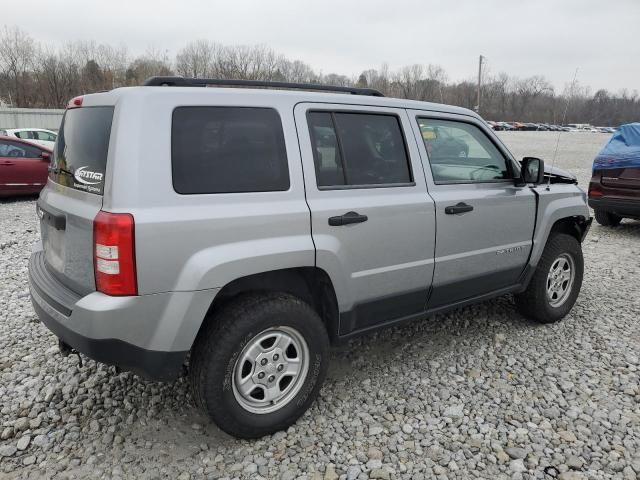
(594, 190)
(114, 254)
(75, 102)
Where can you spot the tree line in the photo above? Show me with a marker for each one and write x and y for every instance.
(34, 75)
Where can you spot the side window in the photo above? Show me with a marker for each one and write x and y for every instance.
(328, 161)
(18, 150)
(4, 148)
(46, 136)
(358, 149)
(461, 153)
(228, 150)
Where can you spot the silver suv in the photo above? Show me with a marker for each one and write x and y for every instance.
(245, 230)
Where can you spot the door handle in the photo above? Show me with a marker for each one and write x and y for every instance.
(458, 208)
(8, 163)
(347, 218)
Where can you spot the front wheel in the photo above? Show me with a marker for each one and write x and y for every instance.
(259, 364)
(556, 283)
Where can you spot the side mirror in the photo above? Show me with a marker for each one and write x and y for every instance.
(46, 156)
(532, 171)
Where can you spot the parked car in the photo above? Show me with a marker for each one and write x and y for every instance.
(40, 136)
(506, 126)
(262, 225)
(614, 190)
(23, 167)
(497, 126)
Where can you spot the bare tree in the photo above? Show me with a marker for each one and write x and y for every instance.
(33, 76)
(152, 63)
(196, 59)
(17, 50)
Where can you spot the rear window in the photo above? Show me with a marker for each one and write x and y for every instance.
(228, 150)
(80, 152)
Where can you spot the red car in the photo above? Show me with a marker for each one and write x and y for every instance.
(23, 167)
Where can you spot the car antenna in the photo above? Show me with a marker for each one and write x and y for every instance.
(564, 117)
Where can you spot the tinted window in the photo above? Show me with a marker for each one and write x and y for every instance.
(80, 152)
(228, 149)
(18, 150)
(328, 161)
(461, 152)
(358, 149)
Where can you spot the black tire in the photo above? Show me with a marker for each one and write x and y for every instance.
(222, 340)
(534, 303)
(607, 219)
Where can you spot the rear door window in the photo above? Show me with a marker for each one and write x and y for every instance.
(358, 149)
(228, 150)
(81, 149)
(46, 136)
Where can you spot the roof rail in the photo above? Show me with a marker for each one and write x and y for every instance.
(203, 82)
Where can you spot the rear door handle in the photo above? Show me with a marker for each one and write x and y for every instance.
(347, 218)
(8, 163)
(458, 208)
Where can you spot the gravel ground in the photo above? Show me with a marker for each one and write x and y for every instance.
(477, 393)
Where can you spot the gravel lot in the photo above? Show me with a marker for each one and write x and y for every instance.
(477, 393)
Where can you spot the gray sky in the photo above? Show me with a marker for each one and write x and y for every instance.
(522, 38)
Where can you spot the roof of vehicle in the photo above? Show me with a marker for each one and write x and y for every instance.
(26, 142)
(28, 129)
(622, 150)
(265, 95)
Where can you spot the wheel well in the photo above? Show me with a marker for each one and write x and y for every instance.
(574, 226)
(310, 284)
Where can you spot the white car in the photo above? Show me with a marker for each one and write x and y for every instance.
(41, 136)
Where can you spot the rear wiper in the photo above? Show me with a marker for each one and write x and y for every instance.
(64, 171)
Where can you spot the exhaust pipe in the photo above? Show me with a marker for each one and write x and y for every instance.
(66, 349)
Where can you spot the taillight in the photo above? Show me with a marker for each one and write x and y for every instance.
(594, 190)
(114, 260)
(75, 102)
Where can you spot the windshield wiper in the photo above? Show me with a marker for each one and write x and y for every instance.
(64, 171)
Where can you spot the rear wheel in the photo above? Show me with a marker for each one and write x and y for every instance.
(259, 364)
(607, 219)
(556, 283)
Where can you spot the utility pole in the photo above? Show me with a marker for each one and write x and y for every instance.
(479, 82)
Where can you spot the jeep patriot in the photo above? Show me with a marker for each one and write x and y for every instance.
(242, 231)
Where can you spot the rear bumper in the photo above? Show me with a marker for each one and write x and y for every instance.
(620, 207)
(149, 335)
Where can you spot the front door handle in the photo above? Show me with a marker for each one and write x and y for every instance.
(347, 218)
(458, 208)
(7, 163)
